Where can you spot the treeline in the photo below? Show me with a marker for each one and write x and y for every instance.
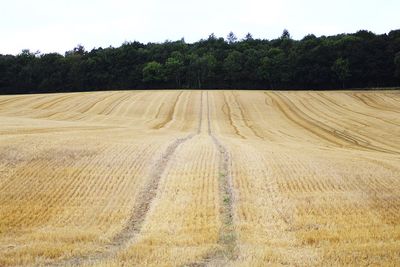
(358, 60)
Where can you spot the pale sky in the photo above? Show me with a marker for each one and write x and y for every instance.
(59, 25)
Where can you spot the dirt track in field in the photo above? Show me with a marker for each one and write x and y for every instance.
(200, 178)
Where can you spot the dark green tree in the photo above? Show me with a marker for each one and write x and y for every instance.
(174, 68)
(361, 59)
(152, 72)
(251, 66)
(341, 68)
(397, 63)
(201, 69)
(271, 67)
(233, 66)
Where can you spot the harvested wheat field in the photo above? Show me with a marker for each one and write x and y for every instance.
(200, 178)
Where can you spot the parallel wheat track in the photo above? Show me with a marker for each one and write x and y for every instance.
(142, 205)
(227, 235)
(170, 115)
(248, 178)
(245, 120)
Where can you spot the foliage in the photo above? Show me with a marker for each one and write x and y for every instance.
(397, 62)
(152, 72)
(357, 60)
(341, 69)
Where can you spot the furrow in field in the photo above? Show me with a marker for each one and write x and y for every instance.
(54, 102)
(226, 233)
(320, 129)
(47, 130)
(243, 117)
(188, 231)
(51, 107)
(373, 103)
(98, 184)
(170, 114)
(265, 215)
(347, 130)
(243, 178)
(155, 108)
(122, 108)
(143, 102)
(229, 115)
(310, 126)
(227, 199)
(347, 125)
(8, 100)
(114, 104)
(21, 102)
(148, 193)
(93, 102)
(44, 175)
(143, 202)
(330, 103)
(255, 114)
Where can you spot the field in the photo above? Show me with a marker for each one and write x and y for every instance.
(200, 178)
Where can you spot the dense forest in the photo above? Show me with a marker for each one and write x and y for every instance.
(358, 60)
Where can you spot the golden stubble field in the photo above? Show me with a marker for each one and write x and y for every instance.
(200, 178)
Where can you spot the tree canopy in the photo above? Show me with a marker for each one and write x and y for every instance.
(359, 60)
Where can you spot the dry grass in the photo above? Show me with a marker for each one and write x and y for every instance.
(175, 178)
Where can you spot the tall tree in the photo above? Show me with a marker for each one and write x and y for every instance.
(271, 67)
(248, 37)
(174, 68)
(361, 59)
(285, 34)
(152, 72)
(397, 63)
(201, 69)
(251, 65)
(231, 38)
(342, 70)
(233, 66)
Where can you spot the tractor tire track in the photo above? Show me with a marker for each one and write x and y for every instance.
(321, 130)
(372, 103)
(245, 120)
(171, 113)
(143, 203)
(227, 236)
(346, 109)
(230, 115)
(358, 137)
(56, 100)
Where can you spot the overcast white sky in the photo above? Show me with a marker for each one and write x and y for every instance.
(59, 25)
